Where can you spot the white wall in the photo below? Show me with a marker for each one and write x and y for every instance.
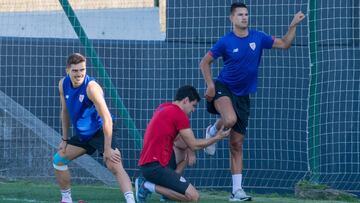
(125, 24)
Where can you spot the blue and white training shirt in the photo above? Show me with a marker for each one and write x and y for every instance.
(83, 115)
(241, 56)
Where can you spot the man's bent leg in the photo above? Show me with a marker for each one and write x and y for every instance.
(191, 194)
(226, 110)
(181, 161)
(122, 178)
(227, 113)
(167, 182)
(228, 118)
(183, 156)
(60, 163)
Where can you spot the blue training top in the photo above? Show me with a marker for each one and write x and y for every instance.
(83, 115)
(241, 57)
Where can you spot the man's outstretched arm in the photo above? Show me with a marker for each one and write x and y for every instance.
(195, 144)
(286, 40)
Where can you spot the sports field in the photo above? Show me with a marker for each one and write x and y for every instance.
(22, 192)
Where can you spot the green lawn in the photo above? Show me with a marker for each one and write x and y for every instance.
(16, 192)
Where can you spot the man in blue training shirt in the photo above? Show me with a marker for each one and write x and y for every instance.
(83, 106)
(228, 95)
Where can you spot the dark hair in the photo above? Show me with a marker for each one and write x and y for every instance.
(75, 58)
(237, 5)
(187, 91)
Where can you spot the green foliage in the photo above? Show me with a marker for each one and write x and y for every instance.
(323, 192)
(304, 184)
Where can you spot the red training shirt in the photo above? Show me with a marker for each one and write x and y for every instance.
(167, 121)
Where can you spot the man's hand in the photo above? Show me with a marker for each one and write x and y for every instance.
(223, 132)
(112, 155)
(299, 16)
(62, 146)
(210, 93)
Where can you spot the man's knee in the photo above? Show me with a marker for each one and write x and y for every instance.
(115, 168)
(236, 145)
(192, 194)
(60, 162)
(229, 120)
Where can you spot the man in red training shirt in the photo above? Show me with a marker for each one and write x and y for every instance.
(169, 127)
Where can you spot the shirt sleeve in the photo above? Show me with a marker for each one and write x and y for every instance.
(218, 49)
(182, 121)
(267, 40)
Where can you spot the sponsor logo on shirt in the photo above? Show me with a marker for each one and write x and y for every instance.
(66, 96)
(252, 45)
(81, 97)
(219, 92)
(236, 50)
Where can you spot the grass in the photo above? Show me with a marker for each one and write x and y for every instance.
(16, 192)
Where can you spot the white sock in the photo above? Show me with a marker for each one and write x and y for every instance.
(237, 182)
(213, 130)
(129, 196)
(150, 186)
(66, 195)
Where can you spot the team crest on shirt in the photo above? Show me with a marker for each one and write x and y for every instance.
(81, 97)
(182, 179)
(252, 45)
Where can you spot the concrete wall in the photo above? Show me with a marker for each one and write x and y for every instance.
(50, 5)
(118, 24)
